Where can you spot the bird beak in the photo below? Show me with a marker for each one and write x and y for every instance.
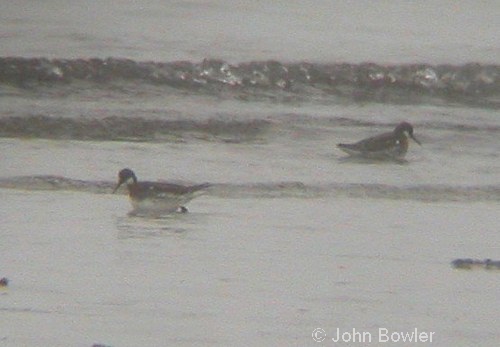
(117, 186)
(417, 141)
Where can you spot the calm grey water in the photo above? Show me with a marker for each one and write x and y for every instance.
(292, 237)
(450, 32)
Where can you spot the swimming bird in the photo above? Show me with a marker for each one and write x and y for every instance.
(384, 146)
(157, 197)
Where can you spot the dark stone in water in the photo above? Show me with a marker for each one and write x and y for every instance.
(469, 264)
(4, 282)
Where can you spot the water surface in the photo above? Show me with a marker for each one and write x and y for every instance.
(252, 98)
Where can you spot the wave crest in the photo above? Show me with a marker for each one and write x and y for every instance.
(471, 83)
(428, 193)
(115, 128)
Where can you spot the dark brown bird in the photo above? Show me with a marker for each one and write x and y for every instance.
(157, 196)
(388, 145)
